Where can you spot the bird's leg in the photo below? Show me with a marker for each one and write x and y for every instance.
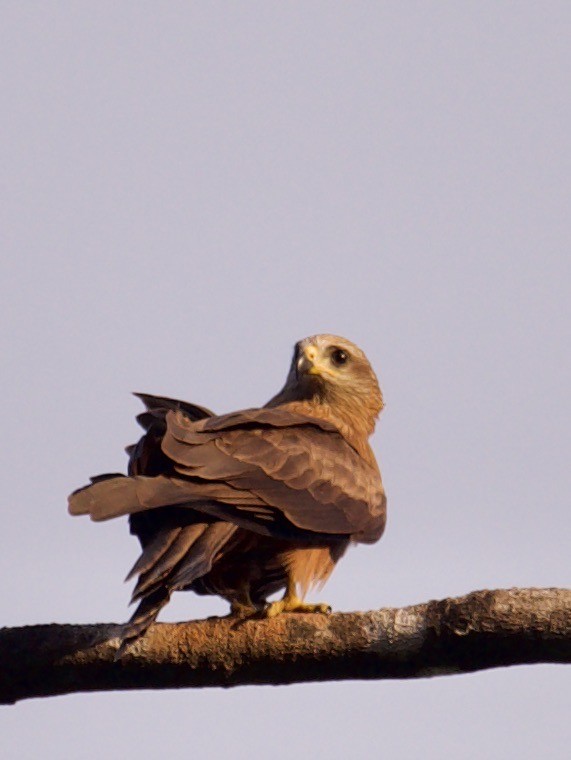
(241, 605)
(292, 603)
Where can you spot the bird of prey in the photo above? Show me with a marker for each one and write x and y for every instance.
(246, 504)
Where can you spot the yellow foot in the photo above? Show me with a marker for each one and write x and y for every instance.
(293, 604)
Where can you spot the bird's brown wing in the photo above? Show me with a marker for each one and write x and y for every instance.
(269, 470)
(300, 467)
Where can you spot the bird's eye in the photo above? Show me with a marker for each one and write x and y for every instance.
(339, 357)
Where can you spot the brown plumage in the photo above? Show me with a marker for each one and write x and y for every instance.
(246, 504)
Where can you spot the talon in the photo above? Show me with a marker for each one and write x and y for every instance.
(322, 608)
(242, 611)
(293, 604)
(273, 609)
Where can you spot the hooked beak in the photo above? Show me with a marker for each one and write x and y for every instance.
(306, 362)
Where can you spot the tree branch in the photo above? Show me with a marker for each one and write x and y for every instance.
(484, 629)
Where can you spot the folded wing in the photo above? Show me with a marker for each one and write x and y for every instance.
(269, 470)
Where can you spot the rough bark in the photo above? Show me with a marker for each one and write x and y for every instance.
(484, 629)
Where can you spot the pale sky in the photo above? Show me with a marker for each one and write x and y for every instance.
(187, 189)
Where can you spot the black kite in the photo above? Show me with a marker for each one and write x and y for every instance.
(246, 504)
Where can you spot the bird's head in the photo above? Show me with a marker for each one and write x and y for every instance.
(331, 371)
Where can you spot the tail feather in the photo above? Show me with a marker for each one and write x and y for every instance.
(199, 561)
(153, 551)
(183, 546)
(188, 557)
(143, 617)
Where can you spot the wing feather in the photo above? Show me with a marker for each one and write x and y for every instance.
(306, 470)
